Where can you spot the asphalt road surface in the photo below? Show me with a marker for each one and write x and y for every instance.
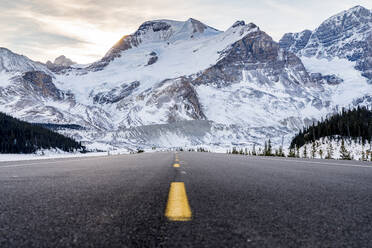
(234, 201)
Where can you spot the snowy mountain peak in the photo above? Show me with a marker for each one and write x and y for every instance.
(158, 31)
(63, 61)
(242, 27)
(238, 23)
(356, 10)
(171, 31)
(355, 16)
(12, 62)
(60, 63)
(346, 35)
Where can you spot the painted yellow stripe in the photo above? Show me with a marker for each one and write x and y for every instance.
(176, 165)
(178, 208)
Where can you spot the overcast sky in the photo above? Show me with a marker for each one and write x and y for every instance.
(84, 30)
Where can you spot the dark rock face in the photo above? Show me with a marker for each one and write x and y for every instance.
(259, 54)
(153, 58)
(156, 26)
(42, 83)
(238, 23)
(329, 79)
(295, 42)
(116, 94)
(184, 96)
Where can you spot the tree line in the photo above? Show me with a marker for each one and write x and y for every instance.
(22, 137)
(354, 123)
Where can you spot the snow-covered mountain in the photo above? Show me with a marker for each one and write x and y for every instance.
(175, 83)
(347, 35)
(60, 63)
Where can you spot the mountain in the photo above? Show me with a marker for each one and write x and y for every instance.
(174, 83)
(22, 137)
(60, 63)
(347, 35)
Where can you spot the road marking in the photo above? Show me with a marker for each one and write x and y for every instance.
(314, 162)
(176, 165)
(178, 208)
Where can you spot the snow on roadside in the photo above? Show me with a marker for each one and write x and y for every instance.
(47, 154)
(356, 149)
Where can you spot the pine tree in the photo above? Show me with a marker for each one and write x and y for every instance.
(305, 152)
(313, 150)
(254, 150)
(363, 154)
(269, 149)
(281, 153)
(297, 151)
(329, 151)
(345, 155)
(321, 153)
(291, 153)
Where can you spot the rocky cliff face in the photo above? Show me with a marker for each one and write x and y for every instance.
(260, 57)
(42, 84)
(346, 35)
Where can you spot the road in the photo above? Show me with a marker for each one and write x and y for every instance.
(228, 201)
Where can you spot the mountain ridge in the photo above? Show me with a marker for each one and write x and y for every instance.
(239, 86)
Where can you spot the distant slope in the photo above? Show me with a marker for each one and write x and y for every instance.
(355, 124)
(21, 137)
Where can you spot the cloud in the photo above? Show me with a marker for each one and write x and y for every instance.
(84, 30)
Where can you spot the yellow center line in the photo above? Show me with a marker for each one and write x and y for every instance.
(178, 208)
(176, 165)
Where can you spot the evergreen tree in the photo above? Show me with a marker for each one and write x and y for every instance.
(345, 155)
(313, 150)
(281, 151)
(321, 153)
(21, 137)
(297, 151)
(234, 151)
(363, 154)
(329, 151)
(269, 149)
(305, 152)
(353, 123)
(254, 150)
(265, 149)
(291, 153)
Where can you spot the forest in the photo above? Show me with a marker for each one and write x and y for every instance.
(353, 124)
(22, 137)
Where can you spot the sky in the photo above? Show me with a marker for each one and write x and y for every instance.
(84, 30)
